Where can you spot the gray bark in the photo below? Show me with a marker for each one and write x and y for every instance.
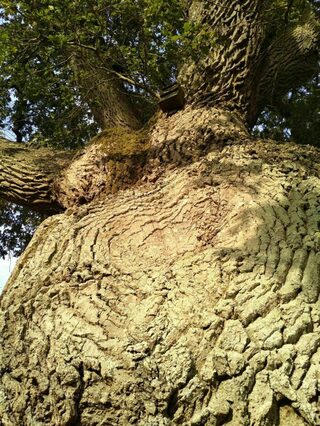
(191, 298)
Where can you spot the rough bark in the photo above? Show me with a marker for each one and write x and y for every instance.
(247, 68)
(186, 293)
(27, 175)
(223, 76)
(287, 63)
(191, 298)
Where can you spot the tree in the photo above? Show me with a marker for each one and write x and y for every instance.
(177, 278)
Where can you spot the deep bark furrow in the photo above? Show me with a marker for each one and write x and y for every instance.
(247, 68)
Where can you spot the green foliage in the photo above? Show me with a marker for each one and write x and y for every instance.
(17, 226)
(304, 116)
(297, 118)
(143, 40)
(40, 39)
(283, 13)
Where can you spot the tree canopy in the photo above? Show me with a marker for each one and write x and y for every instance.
(49, 48)
(57, 56)
(56, 44)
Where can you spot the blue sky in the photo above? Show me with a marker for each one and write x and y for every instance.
(6, 267)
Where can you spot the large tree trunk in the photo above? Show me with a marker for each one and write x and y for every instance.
(180, 286)
(192, 298)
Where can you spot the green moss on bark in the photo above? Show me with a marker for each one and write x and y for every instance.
(125, 155)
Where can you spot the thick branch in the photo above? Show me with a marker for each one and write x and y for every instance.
(289, 62)
(110, 71)
(222, 77)
(245, 70)
(27, 175)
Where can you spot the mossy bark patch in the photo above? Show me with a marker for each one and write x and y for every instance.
(120, 143)
(125, 155)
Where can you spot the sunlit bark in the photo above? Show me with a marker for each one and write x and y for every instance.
(190, 299)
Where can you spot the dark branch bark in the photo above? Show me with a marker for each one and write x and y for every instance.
(27, 175)
(222, 78)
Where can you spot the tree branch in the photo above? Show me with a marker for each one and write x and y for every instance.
(83, 46)
(27, 175)
(290, 61)
(131, 81)
(121, 76)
